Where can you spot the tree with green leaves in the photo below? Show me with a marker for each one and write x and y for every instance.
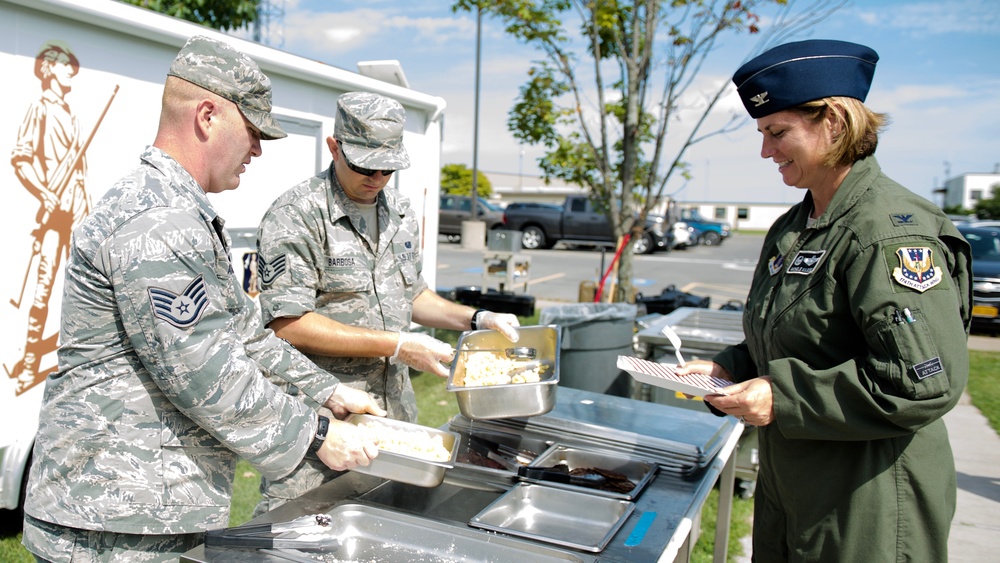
(456, 179)
(224, 15)
(613, 78)
(989, 208)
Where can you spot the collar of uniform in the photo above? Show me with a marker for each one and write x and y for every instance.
(854, 186)
(181, 182)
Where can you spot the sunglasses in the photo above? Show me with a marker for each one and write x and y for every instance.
(365, 171)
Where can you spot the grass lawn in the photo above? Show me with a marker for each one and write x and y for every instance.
(437, 406)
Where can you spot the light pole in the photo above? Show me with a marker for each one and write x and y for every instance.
(474, 230)
(475, 120)
(520, 169)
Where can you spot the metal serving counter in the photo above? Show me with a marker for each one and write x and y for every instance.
(434, 522)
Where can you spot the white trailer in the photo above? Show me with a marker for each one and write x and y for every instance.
(120, 55)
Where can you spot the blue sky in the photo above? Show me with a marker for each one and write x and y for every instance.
(938, 78)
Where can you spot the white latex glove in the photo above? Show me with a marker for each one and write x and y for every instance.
(504, 323)
(347, 446)
(423, 352)
(346, 399)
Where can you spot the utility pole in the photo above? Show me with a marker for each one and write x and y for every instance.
(475, 127)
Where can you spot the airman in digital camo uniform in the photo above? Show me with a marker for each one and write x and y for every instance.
(161, 383)
(341, 274)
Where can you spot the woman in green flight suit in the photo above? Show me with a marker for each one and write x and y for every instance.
(856, 327)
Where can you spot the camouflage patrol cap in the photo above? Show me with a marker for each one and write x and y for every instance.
(369, 128)
(221, 69)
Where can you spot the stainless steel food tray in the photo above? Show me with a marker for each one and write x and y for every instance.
(368, 533)
(404, 468)
(639, 472)
(577, 520)
(515, 399)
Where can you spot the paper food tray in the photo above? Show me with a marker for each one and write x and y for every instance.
(664, 376)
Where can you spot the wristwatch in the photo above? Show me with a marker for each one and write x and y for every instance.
(472, 322)
(321, 429)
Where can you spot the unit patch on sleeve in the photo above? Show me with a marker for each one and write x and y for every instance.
(181, 310)
(805, 262)
(269, 271)
(916, 268)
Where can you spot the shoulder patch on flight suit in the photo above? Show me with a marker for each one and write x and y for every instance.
(903, 219)
(181, 310)
(916, 268)
(805, 262)
(269, 271)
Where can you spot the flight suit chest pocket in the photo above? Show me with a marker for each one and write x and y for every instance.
(914, 365)
(347, 274)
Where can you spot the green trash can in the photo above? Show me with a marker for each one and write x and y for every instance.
(593, 335)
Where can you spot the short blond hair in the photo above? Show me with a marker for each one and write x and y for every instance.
(859, 127)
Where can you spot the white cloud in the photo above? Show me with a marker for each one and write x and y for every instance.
(979, 17)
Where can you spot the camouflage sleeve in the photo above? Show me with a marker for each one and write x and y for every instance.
(277, 358)
(289, 253)
(185, 315)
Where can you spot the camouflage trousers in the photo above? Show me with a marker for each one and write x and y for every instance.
(51, 542)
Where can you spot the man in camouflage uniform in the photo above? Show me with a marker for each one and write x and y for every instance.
(161, 383)
(341, 274)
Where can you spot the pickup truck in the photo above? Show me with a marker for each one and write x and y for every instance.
(577, 222)
(712, 232)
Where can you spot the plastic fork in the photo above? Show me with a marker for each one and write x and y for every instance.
(675, 341)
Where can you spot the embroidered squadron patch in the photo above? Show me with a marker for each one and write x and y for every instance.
(916, 268)
(933, 366)
(805, 262)
(269, 271)
(182, 310)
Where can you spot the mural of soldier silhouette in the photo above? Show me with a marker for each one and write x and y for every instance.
(49, 161)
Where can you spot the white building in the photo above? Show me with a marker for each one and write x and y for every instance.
(742, 216)
(120, 55)
(968, 189)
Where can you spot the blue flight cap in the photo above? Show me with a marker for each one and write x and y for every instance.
(795, 73)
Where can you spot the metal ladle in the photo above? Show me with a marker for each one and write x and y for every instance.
(518, 352)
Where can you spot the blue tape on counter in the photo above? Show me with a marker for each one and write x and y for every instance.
(645, 521)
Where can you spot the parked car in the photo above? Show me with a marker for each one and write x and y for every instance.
(985, 243)
(984, 223)
(712, 232)
(685, 235)
(457, 208)
(576, 221)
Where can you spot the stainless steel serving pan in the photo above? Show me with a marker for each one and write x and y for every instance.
(578, 520)
(368, 533)
(638, 471)
(515, 399)
(404, 468)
